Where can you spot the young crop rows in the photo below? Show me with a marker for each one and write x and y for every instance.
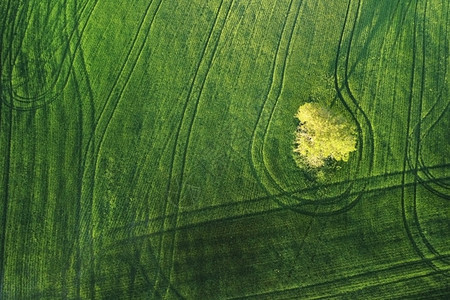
(147, 149)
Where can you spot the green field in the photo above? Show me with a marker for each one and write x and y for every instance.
(146, 149)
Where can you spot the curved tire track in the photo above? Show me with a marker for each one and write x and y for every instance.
(416, 235)
(182, 140)
(100, 126)
(62, 72)
(331, 204)
(277, 75)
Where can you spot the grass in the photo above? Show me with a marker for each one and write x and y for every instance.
(147, 150)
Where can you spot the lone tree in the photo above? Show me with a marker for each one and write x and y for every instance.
(322, 135)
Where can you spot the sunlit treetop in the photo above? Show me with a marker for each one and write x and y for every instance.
(322, 135)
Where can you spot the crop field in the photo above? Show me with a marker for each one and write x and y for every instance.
(147, 149)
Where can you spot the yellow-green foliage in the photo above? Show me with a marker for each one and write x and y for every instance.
(322, 134)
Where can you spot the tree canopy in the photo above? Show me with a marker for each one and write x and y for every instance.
(322, 135)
